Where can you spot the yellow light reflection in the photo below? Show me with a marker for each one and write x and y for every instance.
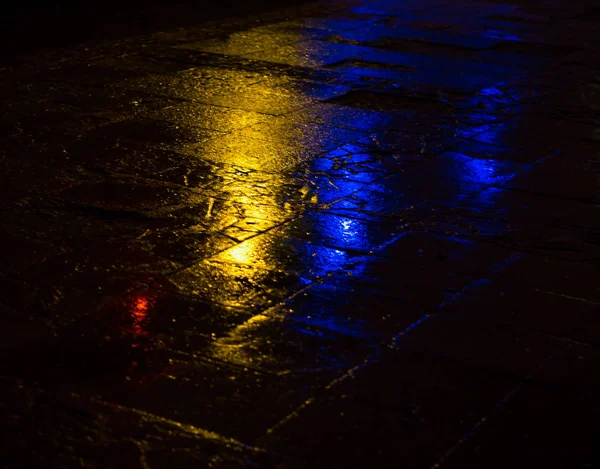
(257, 161)
(241, 253)
(238, 347)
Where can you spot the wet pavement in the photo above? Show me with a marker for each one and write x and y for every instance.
(339, 235)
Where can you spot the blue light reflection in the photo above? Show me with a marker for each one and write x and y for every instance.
(356, 184)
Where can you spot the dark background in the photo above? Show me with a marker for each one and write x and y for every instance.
(27, 27)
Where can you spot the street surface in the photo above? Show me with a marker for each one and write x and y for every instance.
(345, 234)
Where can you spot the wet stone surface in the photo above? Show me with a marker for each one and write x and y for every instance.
(354, 234)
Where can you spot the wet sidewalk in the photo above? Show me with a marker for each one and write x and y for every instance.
(340, 235)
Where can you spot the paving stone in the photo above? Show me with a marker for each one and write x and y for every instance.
(207, 117)
(437, 265)
(505, 350)
(575, 279)
(242, 43)
(424, 401)
(515, 304)
(571, 371)
(85, 431)
(537, 426)
(311, 53)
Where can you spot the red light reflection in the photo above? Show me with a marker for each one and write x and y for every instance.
(138, 309)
